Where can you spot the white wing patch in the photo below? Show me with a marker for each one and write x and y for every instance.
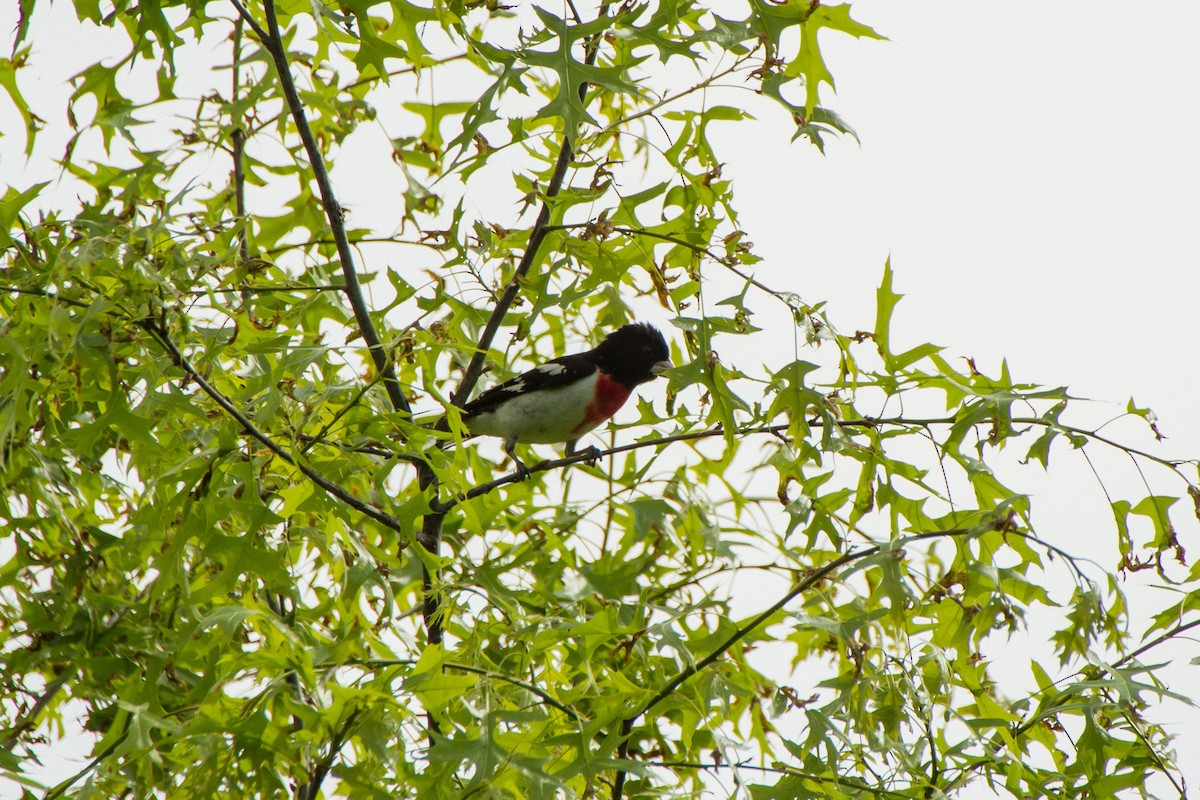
(551, 369)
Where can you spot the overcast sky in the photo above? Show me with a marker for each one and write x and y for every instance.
(1034, 175)
(1033, 171)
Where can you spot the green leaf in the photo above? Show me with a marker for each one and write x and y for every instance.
(10, 209)
(8, 80)
(573, 73)
(885, 305)
(433, 685)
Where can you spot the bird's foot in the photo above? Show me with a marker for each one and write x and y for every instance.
(523, 473)
(591, 454)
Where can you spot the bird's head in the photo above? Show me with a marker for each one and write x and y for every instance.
(634, 354)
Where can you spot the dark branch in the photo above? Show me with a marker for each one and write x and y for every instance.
(335, 490)
(726, 261)
(547, 698)
(430, 536)
(28, 720)
(692, 436)
(244, 13)
(813, 578)
(541, 227)
(333, 211)
(321, 769)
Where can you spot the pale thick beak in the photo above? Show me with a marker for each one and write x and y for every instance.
(661, 367)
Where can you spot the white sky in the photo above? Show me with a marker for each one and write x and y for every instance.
(1033, 172)
(1034, 175)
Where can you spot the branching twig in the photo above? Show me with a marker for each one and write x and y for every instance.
(547, 698)
(1042, 711)
(704, 84)
(244, 13)
(708, 433)
(834, 780)
(28, 720)
(724, 261)
(430, 536)
(537, 234)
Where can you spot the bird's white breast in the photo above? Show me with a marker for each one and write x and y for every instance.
(548, 416)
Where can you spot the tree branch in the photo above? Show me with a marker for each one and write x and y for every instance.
(537, 234)
(546, 697)
(333, 211)
(650, 109)
(239, 148)
(810, 580)
(28, 720)
(430, 536)
(725, 261)
(321, 769)
(834, 780)
(244, 13)
(709, 433)
(334, 489)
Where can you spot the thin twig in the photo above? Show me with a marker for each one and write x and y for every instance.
(547, 698)
(1171, 634)
(244, 13)
(239, 148)
(1042, 711)
(708, 433)
(677, 96)
(283, 248)
(724, 261)
(28, 720)
(430, 536)
(537, 234)
(783, 770)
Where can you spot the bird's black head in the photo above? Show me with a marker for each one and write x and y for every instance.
(633, 354)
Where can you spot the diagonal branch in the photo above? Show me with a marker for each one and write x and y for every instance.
(272, 39)
(245, 14)
(725, 261)
(312, 789)
(334, 489)
(1000, 522)
(430, 536)
(537, 235)
(532, 688)
(690, 436)
(1044, 709)
(29, 720)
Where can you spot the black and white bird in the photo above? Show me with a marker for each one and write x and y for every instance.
(563, 399)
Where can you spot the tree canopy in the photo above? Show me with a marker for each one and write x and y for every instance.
(248, 552)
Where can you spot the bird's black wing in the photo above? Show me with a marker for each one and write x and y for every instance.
(551, 375)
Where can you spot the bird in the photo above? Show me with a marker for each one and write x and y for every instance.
(563, 399)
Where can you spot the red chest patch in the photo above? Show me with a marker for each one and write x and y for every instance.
(610, 396)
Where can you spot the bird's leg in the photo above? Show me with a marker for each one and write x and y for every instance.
(510, 446)
(591, 454)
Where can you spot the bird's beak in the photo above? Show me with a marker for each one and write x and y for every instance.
(661, 367)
